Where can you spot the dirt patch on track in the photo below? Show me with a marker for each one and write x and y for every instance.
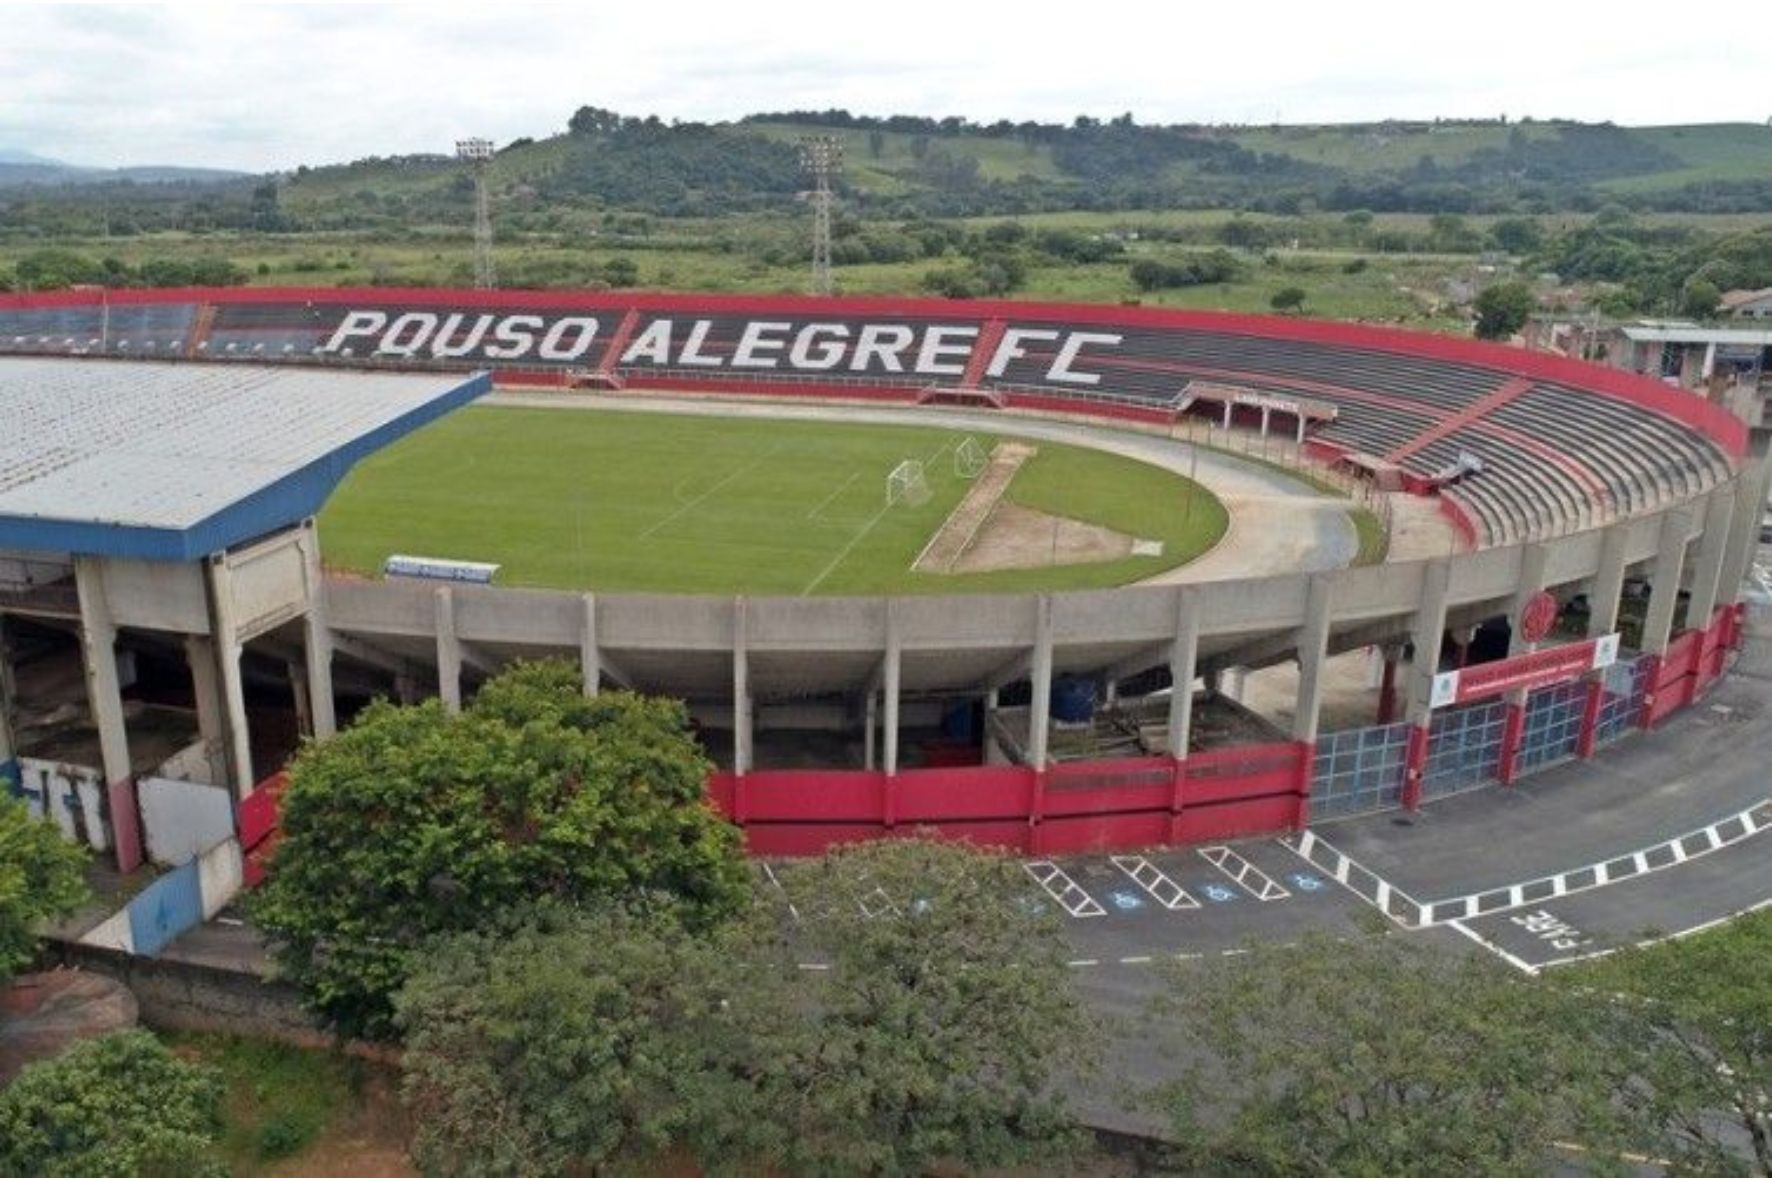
(1017, 538)
(958, 534)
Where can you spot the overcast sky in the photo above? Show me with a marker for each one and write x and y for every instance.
(265, 86)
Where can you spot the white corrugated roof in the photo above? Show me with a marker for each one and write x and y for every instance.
(1684, 334)
(166, 446)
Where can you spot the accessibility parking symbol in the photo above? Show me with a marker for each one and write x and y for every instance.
(1125, 900)
(1218, 893)
(1307, 882)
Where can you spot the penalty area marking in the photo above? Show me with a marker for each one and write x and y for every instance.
(713, 488)
(866, 528)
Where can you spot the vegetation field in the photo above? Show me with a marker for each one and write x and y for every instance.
(634, 501)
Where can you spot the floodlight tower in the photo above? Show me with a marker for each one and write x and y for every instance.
(477, 151)
(822, 156)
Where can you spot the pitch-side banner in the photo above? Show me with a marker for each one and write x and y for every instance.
(1530, 670)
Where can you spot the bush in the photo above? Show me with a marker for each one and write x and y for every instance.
(415, 823)
(41, 878)
(1287, 299)
(119, 1106)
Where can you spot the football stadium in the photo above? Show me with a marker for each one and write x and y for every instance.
(1061, 578)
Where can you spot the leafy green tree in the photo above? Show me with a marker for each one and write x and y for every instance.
(117, 1106)
(41, 878)
(1699, 300)
(1502, 310)
(1517, 235)
(1373, 1057)
(1287, 299)
(1700, 1063)
(584, 1040)
(415, 823)
(944, 1017)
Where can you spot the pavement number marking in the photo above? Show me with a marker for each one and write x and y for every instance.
(1156, 883)
(1552, 930)
(1076, 901)
(1242, 871)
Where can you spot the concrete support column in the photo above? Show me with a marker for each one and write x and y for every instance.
(1387, 687)
(8, 693)
(1040, 687)
(318, 639)
(1708, 562)
(741, 692)
(1607, 586)
(448, 651)
(1744, 525)
(1529, 586)
(993, 750)
(1313, 647)
(206, 688)
(104, 693)
(1425, 632)
(1266, 418)
(1298, 435)
(590, 653)
(1227, 415)
(870, 724)
(1234, 679)
(237, 735)
(304, 710)
(890, 686)
(1664, 580)
(1183, 653)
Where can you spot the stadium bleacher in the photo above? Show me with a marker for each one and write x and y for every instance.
(1555, 457)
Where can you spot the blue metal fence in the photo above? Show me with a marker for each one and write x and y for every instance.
(1463, 750)
(1552, 726)
(1359, 771)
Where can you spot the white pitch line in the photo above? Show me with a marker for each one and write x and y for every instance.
(725, 480)
(867, 528)
(841, 488)
(1488, 945)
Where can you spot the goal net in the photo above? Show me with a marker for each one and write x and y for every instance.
(969, 459)
(907, 484)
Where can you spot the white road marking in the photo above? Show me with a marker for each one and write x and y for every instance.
(1242, 871)
(1699, 929)
(1391, 902)
(1487, 945)
(1156, 883)
(769, 873)
(841, 488)
(1063, 890)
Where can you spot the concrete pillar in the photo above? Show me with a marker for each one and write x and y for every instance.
(206, 688)
(590, 653)
(1227, 415)
(1664, 579)
(1425, 632)
(1298, 436)
(104, 693)
(1040, 686)
(1266, 418)
(1744, 526)
(741, 692)
(1184, 652)
(1608, 583)
(1313, 647)
(870, 723)
(304, 710)
(993, 750)
(8, 693)
(236, 734)
(318, 639)
(448, 651)
(890, 687)
(1387, 686)
(1235, 678)
(1708, 562)
(1530, 583)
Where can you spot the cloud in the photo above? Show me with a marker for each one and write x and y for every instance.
(263, 86)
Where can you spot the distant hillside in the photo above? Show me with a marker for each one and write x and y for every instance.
(18, 167)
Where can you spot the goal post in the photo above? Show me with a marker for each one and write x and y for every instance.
(907, 484)
(969, 459)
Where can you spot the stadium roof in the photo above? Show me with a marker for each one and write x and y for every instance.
(1694, 334)
(173, 461)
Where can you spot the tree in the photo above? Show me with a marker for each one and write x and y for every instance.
(1287, 299)
(414, 823)
(581, 1040)
(1701, 1062)
(945, 1015)
(1502, 309)
(41, 878)
(1517, 235)
(119, 1106)
(1699, 299)
(1375, 1057)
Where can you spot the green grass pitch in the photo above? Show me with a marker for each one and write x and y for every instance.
(626, 501)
